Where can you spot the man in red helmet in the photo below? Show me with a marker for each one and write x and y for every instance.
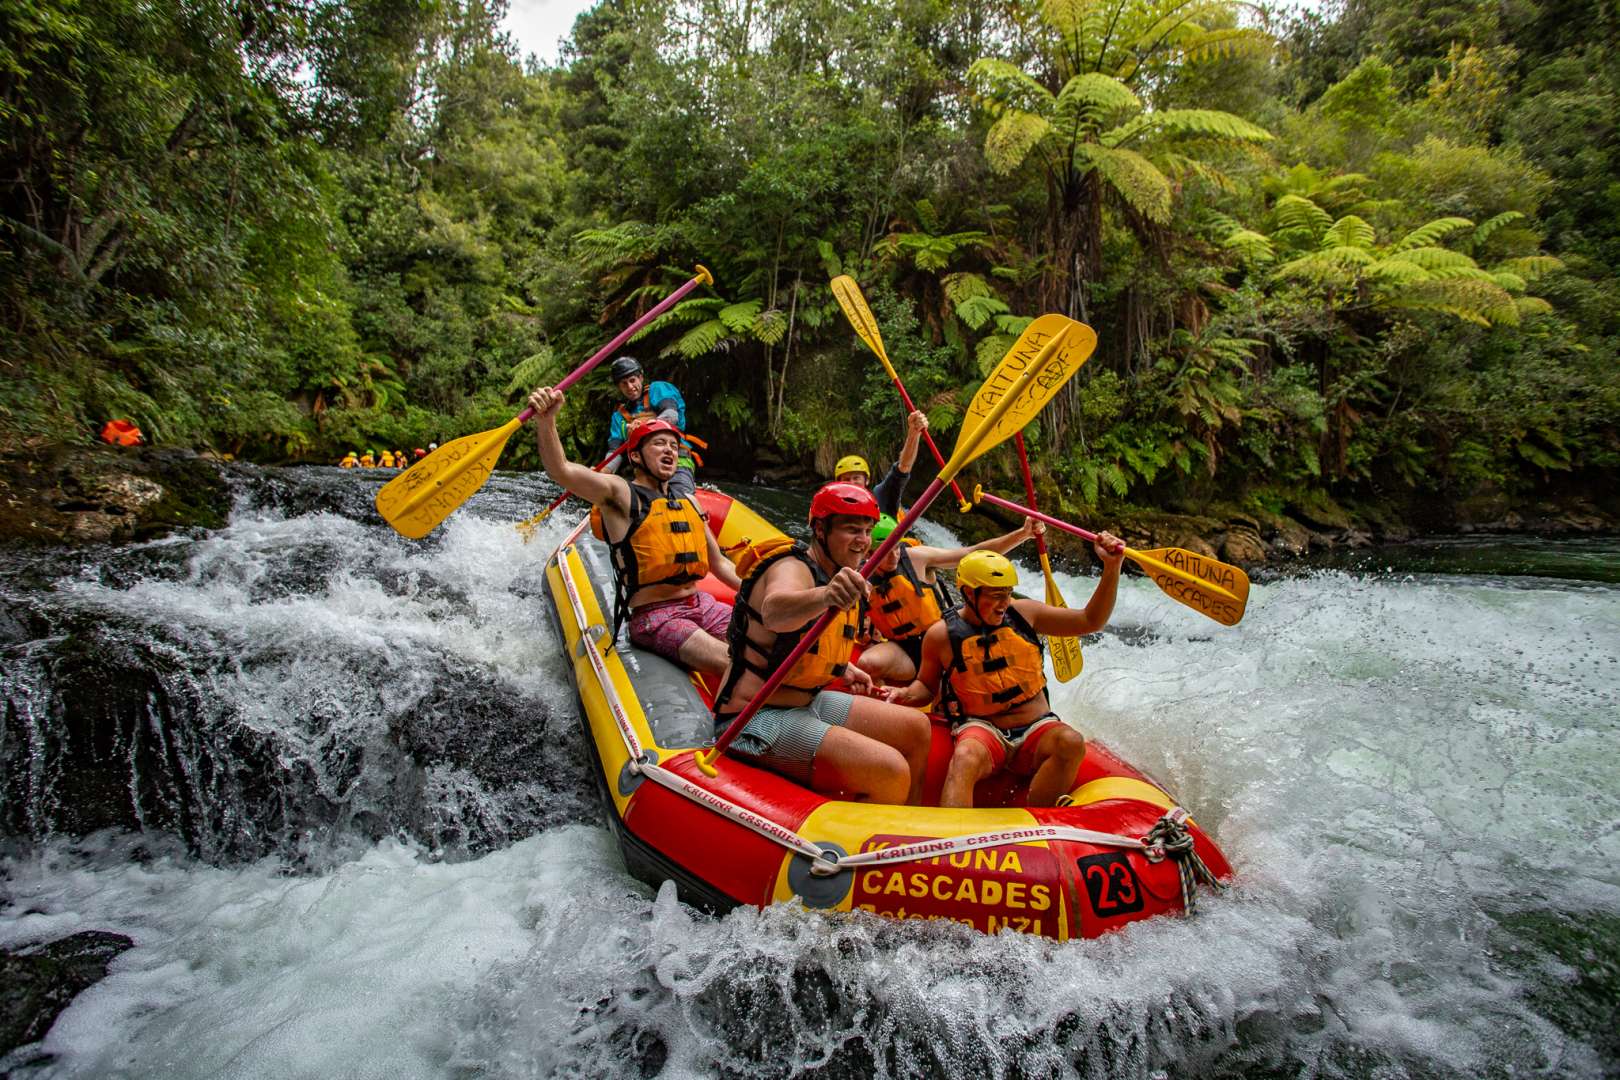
(661, 545)
(838, 743)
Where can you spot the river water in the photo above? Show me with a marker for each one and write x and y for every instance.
(371, 847)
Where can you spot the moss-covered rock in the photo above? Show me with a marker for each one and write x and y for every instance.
(64, 494)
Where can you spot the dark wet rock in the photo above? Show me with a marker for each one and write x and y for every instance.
(100, 494)
(36, 984)
(1242, 545)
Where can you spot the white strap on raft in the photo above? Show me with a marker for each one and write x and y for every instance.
(822, 861)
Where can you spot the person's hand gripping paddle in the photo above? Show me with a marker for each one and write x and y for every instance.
(1207, 585)
(415, 501)
(1045, 356)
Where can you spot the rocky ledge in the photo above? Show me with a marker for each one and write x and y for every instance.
(62, 494)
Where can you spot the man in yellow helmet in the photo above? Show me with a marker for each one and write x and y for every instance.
(907, 598)
(853, 469)
(986, 661)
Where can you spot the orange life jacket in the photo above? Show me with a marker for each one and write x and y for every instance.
(993, 669)
(665, 545)
(821, 664)
(902, 605)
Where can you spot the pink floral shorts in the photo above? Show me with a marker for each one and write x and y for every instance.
(665, 626)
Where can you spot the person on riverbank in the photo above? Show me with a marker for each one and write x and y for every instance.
(351, 460)
(368, 460)
(660, 543)
(908, 598)
(830, 741)
(853, 469)
(986, 661)
(641, 400)
(386, 460)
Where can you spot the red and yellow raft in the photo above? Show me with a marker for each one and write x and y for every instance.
(750, 836)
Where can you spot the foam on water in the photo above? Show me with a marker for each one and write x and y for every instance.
(1398, 769)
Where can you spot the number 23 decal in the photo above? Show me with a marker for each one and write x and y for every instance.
(1111, 884)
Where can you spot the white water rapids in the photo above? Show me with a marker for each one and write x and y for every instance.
(1415, 778)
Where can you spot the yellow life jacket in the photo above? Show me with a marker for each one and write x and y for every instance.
(821, 664)
(666, 544)
(902, 605)
(992, 669)
(349, 462)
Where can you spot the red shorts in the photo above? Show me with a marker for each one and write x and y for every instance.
(664, 627)
(1018, 743)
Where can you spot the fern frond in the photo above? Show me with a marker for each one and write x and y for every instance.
(687, 311)
(739, 317)
(1243, 41)
(1197, 123)
(1298, 212)
(1527, 305)
(1396, 271)
(1250, 246)
(533, 370)
(1429, 235)
(628, 241)
(770, 326)
(1349, 231)
(1434, 258)
(1067, 17)
(1180, 166)
(701, 339)
(1512, 282)
(978, 310)
(990, 351)
(1008, 86)
(1489, 227)
(1132, 177)
(1478, 302)
(1089, 99)
(1531, 267)
(960, 287)
(1012, 137)
(1013, 324)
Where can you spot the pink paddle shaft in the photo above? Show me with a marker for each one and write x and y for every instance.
(1029, 485)
(930, 493)
(624, 335)
(1007, 504)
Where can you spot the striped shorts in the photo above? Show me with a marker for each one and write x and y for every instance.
(786, 740)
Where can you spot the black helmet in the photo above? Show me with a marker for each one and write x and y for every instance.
(624, 367)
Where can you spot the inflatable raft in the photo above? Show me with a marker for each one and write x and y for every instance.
(1122, 849)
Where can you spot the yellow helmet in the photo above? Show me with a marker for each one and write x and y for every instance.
(851, 463)
(984, 568)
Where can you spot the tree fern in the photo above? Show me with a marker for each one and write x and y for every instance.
(978, 310)
(1251, 246)
(739, 317)
(701, 339)
(1088, 100)
(1531, 267)
(1007, 86)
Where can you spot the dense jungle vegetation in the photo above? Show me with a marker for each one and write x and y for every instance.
(1360, 252)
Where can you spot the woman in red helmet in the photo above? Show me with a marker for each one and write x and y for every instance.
(829, 741)
(661, 545)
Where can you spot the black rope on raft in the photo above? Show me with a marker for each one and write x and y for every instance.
(1169, 838)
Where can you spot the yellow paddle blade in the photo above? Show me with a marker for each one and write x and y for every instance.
(416, 500)
(1066, 659)
(1045, 356)
(529, 526)
(1206, 585)
(860, 317)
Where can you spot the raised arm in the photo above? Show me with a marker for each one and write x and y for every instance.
(598, 489)
(927, 559)
(916, 424)
(1069, 622)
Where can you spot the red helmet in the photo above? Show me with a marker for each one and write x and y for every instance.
(642, 430)
(843, 498)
